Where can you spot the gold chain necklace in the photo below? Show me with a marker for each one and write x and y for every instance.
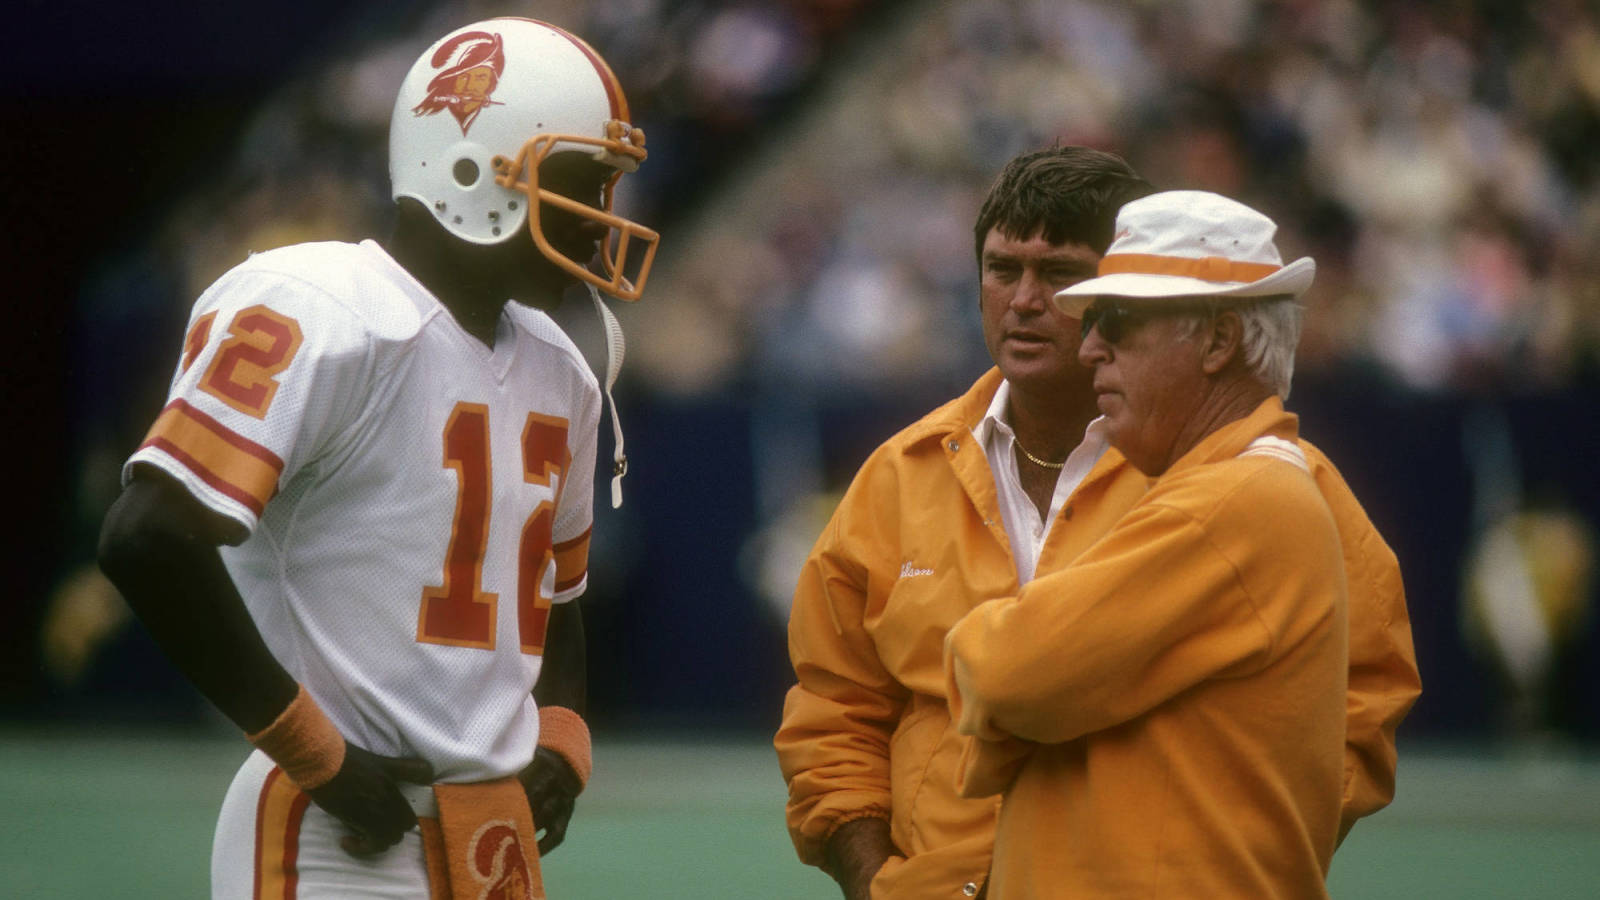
(1036, 460)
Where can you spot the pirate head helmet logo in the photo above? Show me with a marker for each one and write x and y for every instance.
(470, 65)
(518, 92)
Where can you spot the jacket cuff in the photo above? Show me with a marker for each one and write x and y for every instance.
(873, 812)
(811, 840)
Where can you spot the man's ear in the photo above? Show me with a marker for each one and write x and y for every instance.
(1224, 341)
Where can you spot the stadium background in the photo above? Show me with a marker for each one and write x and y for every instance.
(815, 168)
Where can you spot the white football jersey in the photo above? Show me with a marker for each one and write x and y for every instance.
(415, 500)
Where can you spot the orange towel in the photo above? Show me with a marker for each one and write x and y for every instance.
(482, 846)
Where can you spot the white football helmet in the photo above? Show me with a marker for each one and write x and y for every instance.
(483, 107)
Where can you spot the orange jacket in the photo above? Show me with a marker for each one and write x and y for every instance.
(1184, 683)
(867, 730)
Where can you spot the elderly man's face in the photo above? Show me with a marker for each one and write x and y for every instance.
(1148, 384)
(1032, 342)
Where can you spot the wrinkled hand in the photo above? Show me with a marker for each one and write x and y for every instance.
(363, 796)
(552, 788)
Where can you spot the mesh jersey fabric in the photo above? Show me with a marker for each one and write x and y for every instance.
(415, 500)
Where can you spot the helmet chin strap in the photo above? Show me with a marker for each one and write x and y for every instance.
(616, 348)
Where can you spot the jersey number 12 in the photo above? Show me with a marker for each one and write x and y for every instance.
(459, 612)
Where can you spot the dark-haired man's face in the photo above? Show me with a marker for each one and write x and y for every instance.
(1035, 345)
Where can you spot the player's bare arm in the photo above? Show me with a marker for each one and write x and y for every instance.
(159, 546)
(564, 679)
(551, 782)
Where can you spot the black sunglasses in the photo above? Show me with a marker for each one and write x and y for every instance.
(1116, 318)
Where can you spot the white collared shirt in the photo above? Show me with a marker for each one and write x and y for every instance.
(1024, 528)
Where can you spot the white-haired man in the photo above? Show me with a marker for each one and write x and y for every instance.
(1166, 715)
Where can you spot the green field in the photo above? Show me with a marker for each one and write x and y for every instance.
(130, 816)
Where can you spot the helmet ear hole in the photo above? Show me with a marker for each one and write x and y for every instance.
(482, 107)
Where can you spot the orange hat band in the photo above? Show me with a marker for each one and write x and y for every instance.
(1210, 268)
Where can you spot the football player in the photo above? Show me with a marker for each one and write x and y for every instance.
(360, 521)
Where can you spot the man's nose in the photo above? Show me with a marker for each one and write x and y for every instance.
(1093, 349)
(1033, 293)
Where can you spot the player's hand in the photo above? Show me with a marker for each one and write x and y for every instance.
(363, 796)
(552, 788)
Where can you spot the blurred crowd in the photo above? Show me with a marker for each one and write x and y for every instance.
(816, 165)
(1438, 159)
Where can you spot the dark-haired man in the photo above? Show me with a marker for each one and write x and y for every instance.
(1009, 481)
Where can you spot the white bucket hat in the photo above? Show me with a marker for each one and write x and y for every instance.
(1190, 244)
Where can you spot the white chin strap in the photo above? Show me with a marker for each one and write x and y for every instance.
(616, 349)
